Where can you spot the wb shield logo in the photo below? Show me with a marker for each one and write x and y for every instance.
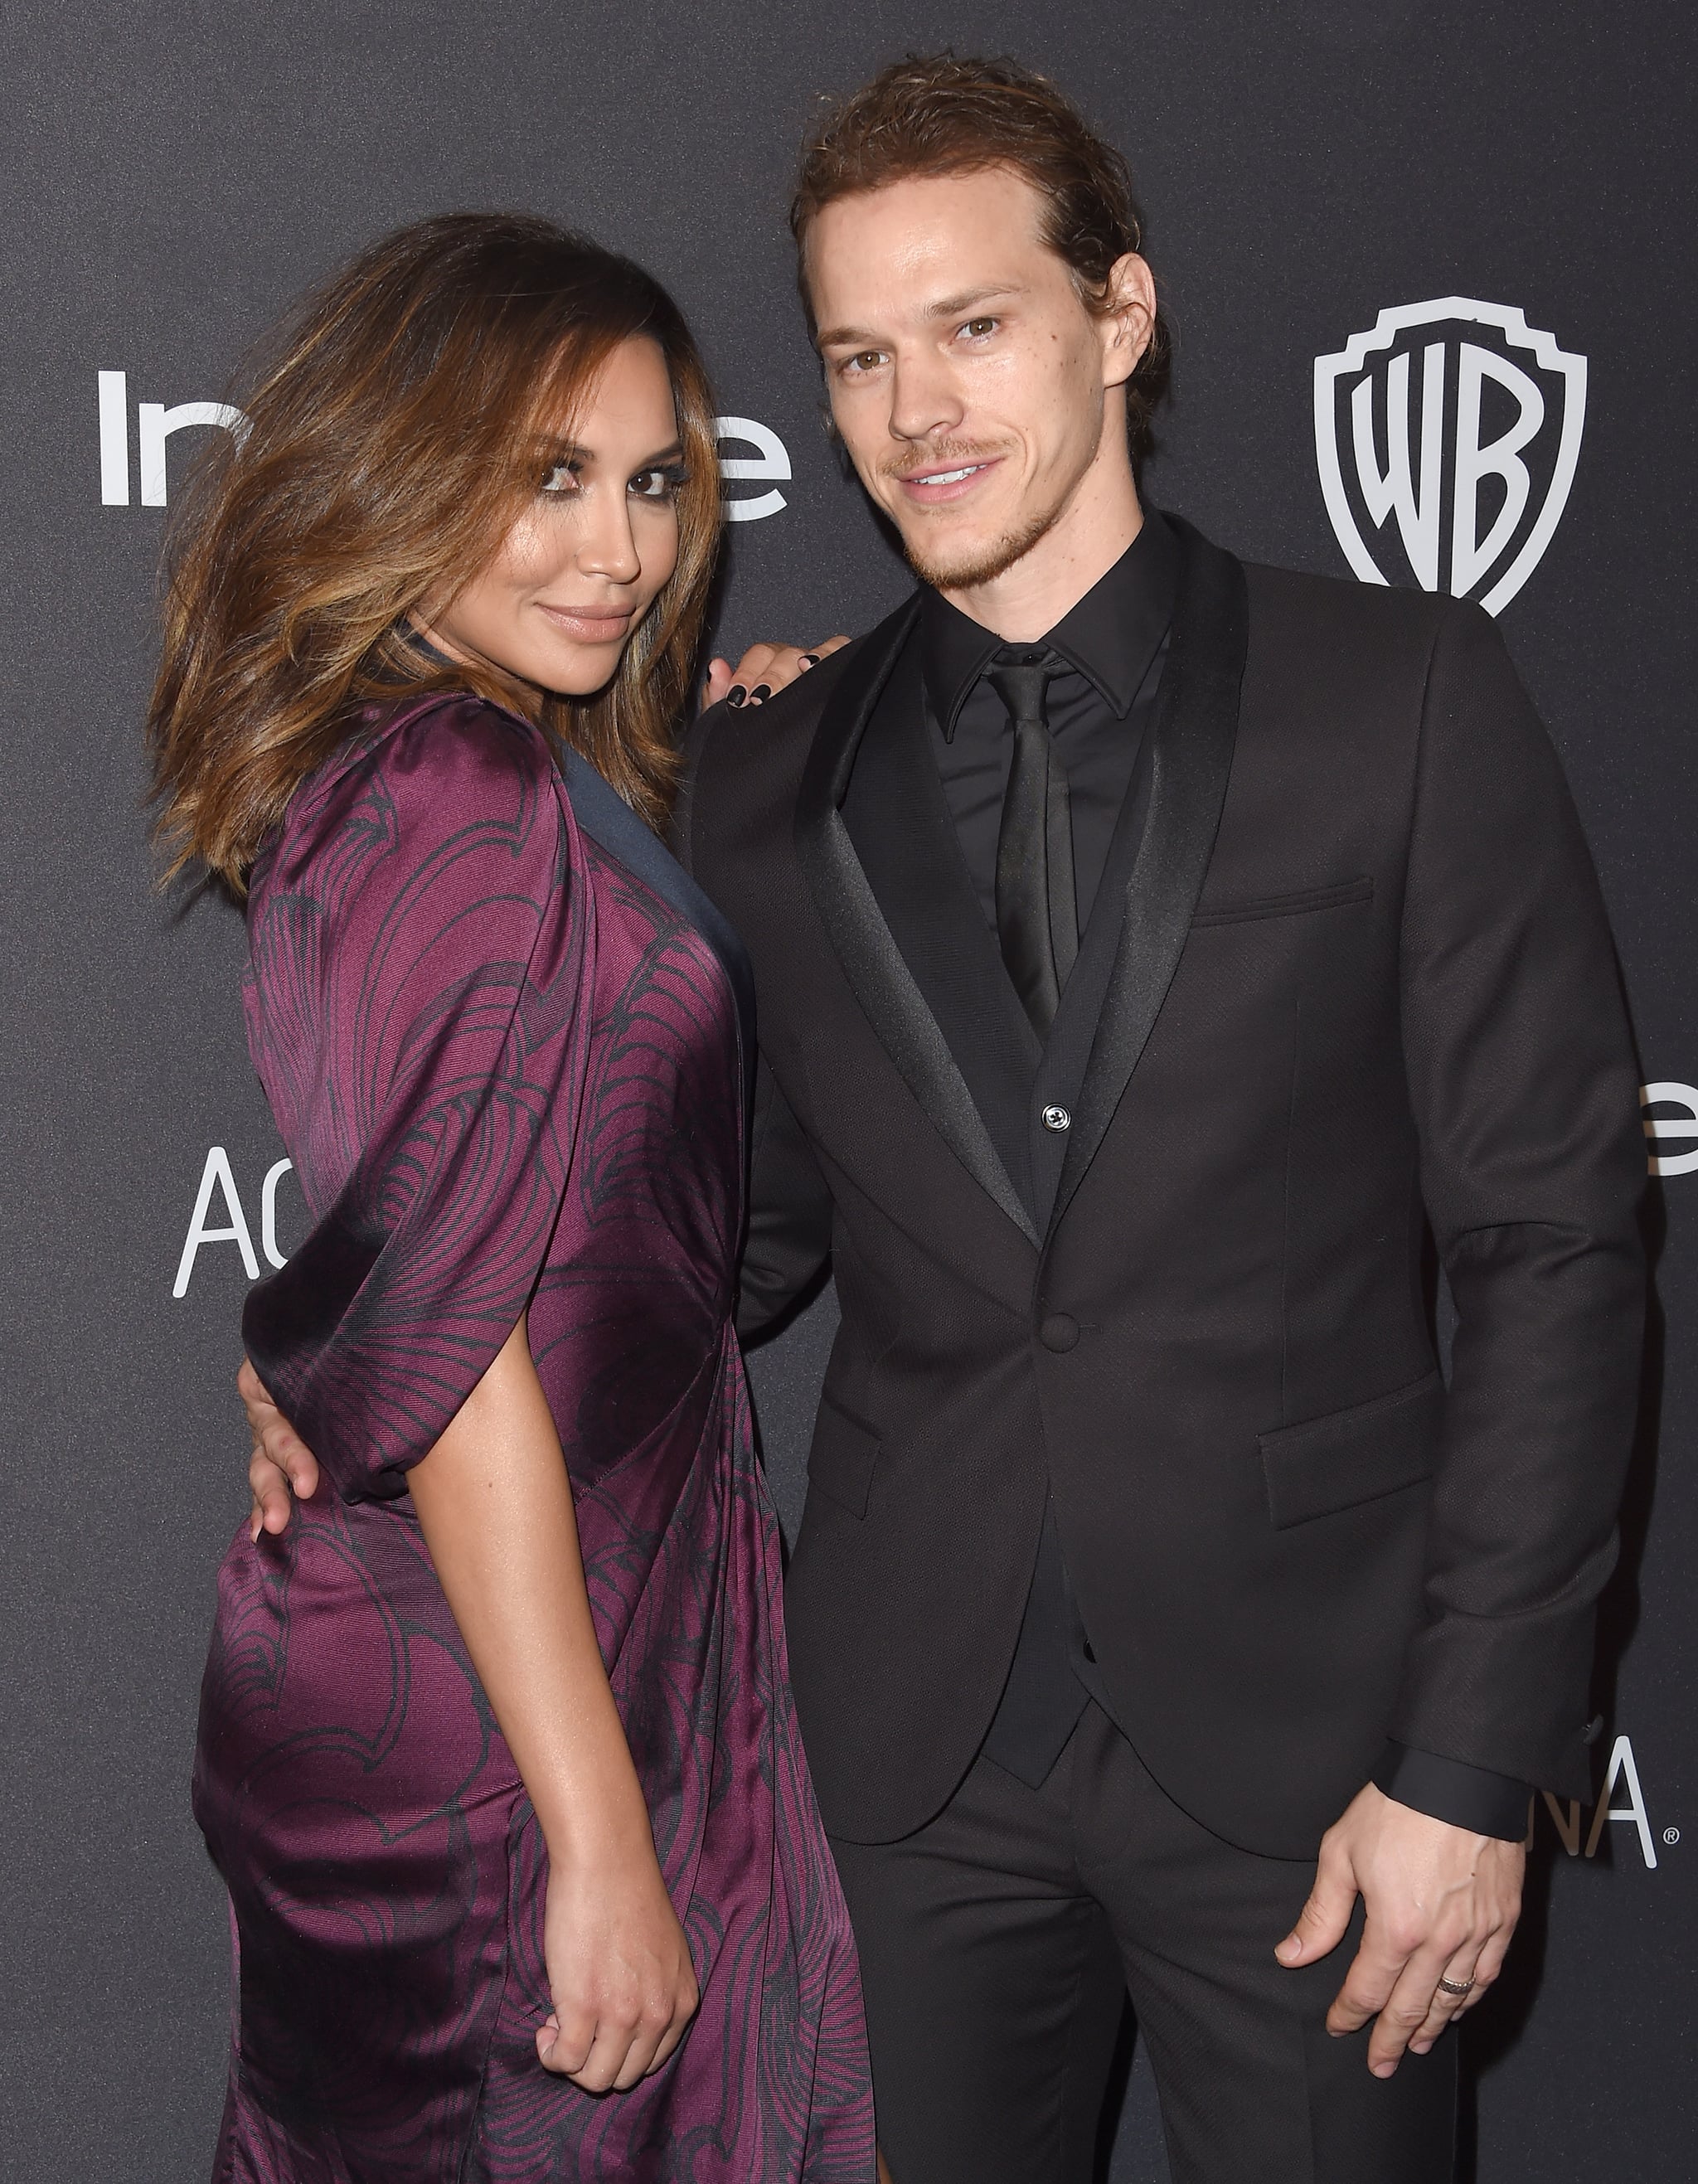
(1447, 439)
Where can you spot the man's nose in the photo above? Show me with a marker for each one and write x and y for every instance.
(924, 403)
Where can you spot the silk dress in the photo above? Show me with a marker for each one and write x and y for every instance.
(505, 1039)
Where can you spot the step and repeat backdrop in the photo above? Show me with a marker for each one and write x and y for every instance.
(1430, 271)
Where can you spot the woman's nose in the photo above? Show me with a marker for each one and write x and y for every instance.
(609, 549)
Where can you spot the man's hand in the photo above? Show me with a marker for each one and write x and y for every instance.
(279, 1464)
(763, 670)
(1441, 1903)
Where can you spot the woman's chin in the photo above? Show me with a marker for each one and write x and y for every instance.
(576, 670)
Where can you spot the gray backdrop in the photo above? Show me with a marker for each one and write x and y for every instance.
(175, 170)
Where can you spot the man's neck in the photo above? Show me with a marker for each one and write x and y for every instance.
(1028, 598)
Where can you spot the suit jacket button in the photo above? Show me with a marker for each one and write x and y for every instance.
(1060, 1332)
(1057, 1118)
(1592, 1731)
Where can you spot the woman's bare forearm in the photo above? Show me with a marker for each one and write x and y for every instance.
(495, 1504)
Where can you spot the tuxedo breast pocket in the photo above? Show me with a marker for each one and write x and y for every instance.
(843, 1458)
(1322, 1465)
(1293, 902)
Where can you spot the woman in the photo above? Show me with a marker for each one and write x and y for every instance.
(496, 1752)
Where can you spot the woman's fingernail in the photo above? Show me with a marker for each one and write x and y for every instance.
(808, 659)
(761, 690)
(736, 694)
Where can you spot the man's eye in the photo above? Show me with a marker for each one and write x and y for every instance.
(560, 477)
(867, 360)
(976, 327)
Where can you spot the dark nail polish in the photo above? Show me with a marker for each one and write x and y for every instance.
(808, 659)
(761, 690)
(736, 694)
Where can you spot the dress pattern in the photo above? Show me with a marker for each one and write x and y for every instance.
(508, 1069)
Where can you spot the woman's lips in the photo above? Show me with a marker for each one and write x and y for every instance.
(590, 625)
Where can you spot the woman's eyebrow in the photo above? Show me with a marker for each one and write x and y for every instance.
(561, 451)
(671, 453)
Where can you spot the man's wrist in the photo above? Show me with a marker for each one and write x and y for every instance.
(1453, 1790)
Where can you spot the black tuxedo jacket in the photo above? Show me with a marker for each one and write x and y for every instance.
(1363, 1000)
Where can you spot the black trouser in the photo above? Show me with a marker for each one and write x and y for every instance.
(997, 1946)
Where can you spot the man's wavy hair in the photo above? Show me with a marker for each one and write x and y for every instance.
(391, 443)
(934, 114)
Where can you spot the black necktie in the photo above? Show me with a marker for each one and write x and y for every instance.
(1037, 913)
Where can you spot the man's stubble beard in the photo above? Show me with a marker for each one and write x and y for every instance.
(983, 564)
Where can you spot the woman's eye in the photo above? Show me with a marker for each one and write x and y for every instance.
(657, 485)
(560, 477)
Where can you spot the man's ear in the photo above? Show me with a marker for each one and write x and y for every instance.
(1128, 317)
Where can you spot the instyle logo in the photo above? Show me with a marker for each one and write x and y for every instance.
(771, 461)
(1678, 1127)
(1447, 439)
(155, 423)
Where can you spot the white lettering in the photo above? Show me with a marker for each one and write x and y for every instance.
(1682, 1128)
(216, 1174)
(268, 1213)
(1394, 491)
(155, 425)
(115, 440)
(1623, 1769)
(773, 462)
(1471, 556)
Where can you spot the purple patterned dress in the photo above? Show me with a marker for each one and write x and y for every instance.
(505, 1058)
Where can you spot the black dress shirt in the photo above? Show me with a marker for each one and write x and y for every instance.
(1098, 708)
(1111, 646)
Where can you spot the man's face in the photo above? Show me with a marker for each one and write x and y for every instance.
(970, 384)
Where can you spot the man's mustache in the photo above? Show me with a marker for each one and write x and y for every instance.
(940, 455)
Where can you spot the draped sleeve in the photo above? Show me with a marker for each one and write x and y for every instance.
(419, 943)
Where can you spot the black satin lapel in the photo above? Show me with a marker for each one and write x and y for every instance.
(1191, 757)
(871, 961)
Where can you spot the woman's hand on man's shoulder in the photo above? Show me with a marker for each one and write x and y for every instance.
(763, 671)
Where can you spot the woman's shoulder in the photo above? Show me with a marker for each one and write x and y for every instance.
(437, 736)
(419, 775)
(432, 756)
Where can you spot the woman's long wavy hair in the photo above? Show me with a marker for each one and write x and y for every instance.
(390, 445)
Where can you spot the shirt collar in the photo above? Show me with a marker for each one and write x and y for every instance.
(1111, 636)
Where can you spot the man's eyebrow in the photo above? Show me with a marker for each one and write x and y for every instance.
(946, 306)
(950, 307)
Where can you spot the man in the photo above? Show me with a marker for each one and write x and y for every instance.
(1153, 954)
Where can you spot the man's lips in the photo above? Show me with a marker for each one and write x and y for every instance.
(590, 625)
(946, 482)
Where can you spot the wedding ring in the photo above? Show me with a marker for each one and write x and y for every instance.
(1455, 1986)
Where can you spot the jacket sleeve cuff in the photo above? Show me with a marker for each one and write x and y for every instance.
(1451, 1789)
